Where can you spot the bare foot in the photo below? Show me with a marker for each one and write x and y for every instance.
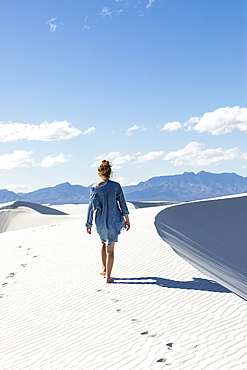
(103, 272)
(111, 280)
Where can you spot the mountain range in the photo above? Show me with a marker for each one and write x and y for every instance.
(184, 187)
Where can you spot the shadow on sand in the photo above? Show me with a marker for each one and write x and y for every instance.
(195, 284)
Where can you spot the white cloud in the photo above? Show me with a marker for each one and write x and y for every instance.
(18, 187)
(244, 156)
(87, 27)
(57, 130)
(121, 180)
(134, 183)
(51, 20)
(50, 161)
(110, 156)
(172, 126)
(118, 161)
(149, 156)
(150, 3)
(220, 121)
(192, 155)
(135, 127)
(106, 11)
(89, 131)
(52, 26)
(122, 160)
(17, 159)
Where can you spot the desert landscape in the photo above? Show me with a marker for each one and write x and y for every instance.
(162, 311)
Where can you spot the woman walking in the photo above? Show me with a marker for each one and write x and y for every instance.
(107, 199)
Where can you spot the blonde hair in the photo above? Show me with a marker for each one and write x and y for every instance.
(105, 170)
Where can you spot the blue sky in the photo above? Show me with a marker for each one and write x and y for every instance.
(156, 86)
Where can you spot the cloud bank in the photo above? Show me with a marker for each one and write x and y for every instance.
(17, 159)
(57, 130)
(192, 155)
(22, 158)
(50, 161)
(221, 121)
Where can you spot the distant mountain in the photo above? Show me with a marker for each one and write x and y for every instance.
(60, 194)
(185, 187)
(188, 186)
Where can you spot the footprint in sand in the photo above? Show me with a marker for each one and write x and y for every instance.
(181, 347)
(103, 291)
(115, 300)
(19, 246)
(137, 321)
(10, 275)
(144, 333)
(162, 360)
(23, 265)
(1, 295)
(4, 284)
(168, 359)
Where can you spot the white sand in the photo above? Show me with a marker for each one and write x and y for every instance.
(57, 313)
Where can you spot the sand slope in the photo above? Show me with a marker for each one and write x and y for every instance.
(212, 235)
(22, 215)
(57, 313)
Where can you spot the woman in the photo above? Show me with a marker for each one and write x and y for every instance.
(107, 199)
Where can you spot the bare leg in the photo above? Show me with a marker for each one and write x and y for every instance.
(103, 257)
(109, 261)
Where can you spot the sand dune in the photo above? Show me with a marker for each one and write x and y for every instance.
(22, 215)
(212, 235)
(57, 312)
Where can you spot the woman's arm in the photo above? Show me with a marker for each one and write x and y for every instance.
(127, 223)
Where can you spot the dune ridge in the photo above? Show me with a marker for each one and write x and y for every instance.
(212, 235)
(21, 215)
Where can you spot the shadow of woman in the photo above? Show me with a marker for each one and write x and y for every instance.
(195, 284)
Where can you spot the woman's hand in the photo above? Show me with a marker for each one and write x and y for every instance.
(127, 223)
(89, 230)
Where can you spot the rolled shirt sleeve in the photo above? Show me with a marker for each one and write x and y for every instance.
(123, 206)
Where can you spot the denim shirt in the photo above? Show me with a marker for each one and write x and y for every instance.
(110, 206)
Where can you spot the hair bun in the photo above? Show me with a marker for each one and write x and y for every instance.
(105, 170)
